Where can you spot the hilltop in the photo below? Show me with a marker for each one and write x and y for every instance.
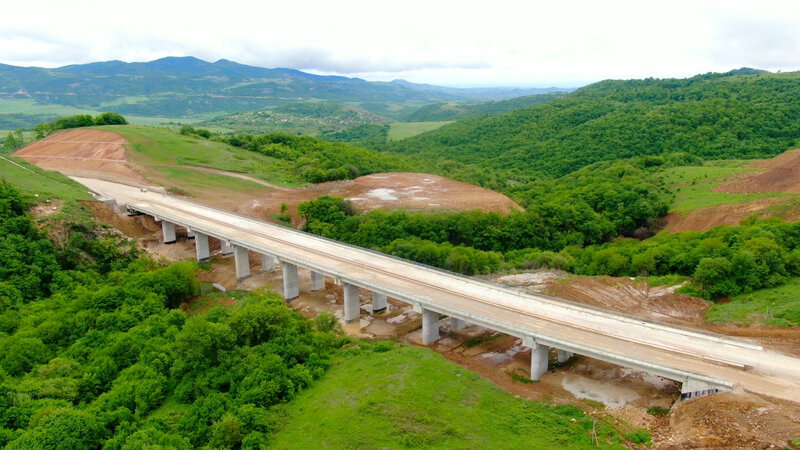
(714, 116)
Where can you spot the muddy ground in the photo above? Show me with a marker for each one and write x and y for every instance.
(616, 395)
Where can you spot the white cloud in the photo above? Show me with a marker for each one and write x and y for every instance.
(464, 42)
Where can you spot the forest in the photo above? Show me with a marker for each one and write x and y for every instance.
(94, 352)
(712, 116)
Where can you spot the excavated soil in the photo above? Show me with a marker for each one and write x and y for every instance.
(704, 219)
(84, 152)
(782, 174)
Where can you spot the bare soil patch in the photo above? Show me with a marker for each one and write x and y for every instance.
(84, 152)
(782, 174)
(408, 191)
(704, 219)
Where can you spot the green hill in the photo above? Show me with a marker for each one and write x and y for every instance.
(187, 87)
(715, 116)
(298, 118)
(438, 112)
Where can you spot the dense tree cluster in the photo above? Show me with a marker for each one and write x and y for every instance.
(97, 355)
(714, 116)
(77, 121)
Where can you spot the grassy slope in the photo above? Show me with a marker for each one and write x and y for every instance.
(404, 130)
(783, 304)
(162, 149)
(33, 181)
(693, 185)
(411, 396)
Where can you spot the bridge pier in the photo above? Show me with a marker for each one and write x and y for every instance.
(540, 355)
(267, 263)
(352, 305)
(378, 302)
(201, 247)
(291, 287)
(242, 262)
(224, 247)
(430, 326)
(457, 324)
(190, 234)
(317, 281)
(564, 356)
(168, 229)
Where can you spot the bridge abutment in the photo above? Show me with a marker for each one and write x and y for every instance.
(291, 287)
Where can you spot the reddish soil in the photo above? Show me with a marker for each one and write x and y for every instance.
(704, 219)
(83, 152)
(408, 191)
(782, 174)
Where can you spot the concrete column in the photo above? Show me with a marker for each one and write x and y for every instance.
(378, 302)
(242, 261)
(168, 228)
(539, 358)
(291, 288)
(457, 324)
(267, 263)
(317, 281)
(201, 246)
(352, 305)
(190, 234)
(430, 326)
(563, 356)
(225, 249)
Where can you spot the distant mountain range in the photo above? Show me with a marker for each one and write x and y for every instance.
(187, 86)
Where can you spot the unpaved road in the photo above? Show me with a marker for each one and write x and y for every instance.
(606, 336)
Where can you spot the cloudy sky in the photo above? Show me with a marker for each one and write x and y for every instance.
(458, 43)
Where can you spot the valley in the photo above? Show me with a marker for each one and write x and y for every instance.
(690, 229)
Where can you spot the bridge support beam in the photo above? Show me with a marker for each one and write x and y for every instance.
(168, 229)
(352, 305)
(564, 356)
(242, 262)
(430, 326)
(201, 247)
(540, 354)
(224, 247)
(457, 324)
(693, 387)
(190, 234)
(317, 281)
(378, 302)
(267, 263)
(291, 288)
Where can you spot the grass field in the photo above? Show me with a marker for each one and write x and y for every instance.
(412, 397)
(159, 147)
(782, 302)
(30, 106)
(38, 185)
(693, 185)
(403, 130)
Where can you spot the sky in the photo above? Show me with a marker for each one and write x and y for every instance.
(452, 43)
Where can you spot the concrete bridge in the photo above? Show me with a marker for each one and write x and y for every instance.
(703, 362)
